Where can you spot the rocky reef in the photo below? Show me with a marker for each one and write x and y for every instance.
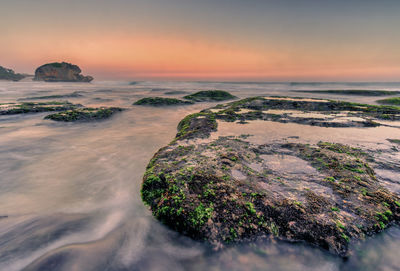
(226, 190)
(8, 74)
(159, 101)
(66, 111)
(35, 107)
(210, 96)
(60, 72)
(84, 114)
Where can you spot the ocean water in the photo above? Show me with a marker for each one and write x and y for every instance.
(70, 192)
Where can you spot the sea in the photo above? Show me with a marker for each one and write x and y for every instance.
(70, 192)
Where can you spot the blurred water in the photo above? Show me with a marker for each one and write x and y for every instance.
(69, 193)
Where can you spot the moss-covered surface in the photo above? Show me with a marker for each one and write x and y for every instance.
(210, 96)
(56, 64)
(35, 107)
(359, 92)
(84, 114)
(390, 101)
(210, 189)
(159, 101)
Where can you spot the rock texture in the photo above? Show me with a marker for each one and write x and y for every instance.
(8, 74)
(60, 72)
(228, 190)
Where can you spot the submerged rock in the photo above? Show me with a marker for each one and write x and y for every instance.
(8, 74)
(210, 96)
(159, 101)
(35, 107)
(228, 190)
(390, 101)
(67, 111)
(60, 72)
(84, 114)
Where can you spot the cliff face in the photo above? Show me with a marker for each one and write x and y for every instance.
(60, 72)
(8, 74)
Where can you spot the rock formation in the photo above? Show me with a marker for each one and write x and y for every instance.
(60, 72)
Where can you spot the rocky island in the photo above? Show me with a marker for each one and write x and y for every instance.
(60, 72)
(230, 189)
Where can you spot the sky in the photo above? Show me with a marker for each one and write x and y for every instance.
(237, 40)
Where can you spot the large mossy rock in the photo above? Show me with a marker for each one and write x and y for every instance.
(223, 190)
(60, 72)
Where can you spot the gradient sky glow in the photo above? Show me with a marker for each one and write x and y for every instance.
(267, 40)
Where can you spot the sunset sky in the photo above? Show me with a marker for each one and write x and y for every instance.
(258, 40)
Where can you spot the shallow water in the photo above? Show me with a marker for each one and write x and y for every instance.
(70, 193)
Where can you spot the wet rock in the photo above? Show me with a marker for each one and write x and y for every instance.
(84, 114)
(228, 190)
(210, 96)
(35, 107)
(159, 101)
(60, 72)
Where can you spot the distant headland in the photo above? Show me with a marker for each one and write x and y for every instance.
(9, 74)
